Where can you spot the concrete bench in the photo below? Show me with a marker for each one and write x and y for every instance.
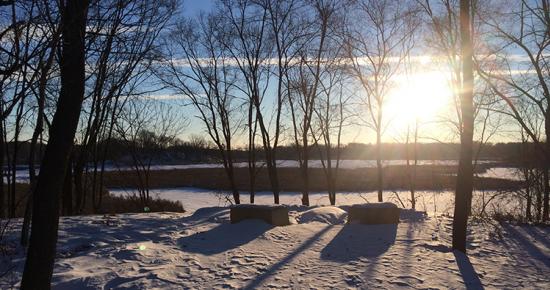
(275, 215)
(374, 213)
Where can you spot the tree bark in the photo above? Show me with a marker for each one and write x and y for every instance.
(67, 199)
(464, 181)
(546, 167)
(379, 170)
(305, 169)
(41, 253)
(2, 198)
(546, 192)
(529, 201)
(251, 152)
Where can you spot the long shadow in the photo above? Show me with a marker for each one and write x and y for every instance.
(412, 216)
(355, 241)
(273, 269)
(223, 237)
(527, 245)
(537, 235)
(467, 271)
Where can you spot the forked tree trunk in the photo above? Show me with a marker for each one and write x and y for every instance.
(229, 170)
(464, 180)
(41, 253)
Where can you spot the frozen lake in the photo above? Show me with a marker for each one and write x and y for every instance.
(22, 174)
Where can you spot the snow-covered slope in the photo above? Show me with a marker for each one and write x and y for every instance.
(205, 251)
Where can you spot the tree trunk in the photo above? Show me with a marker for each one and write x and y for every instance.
(78, 172)
(269, 153)
(415, 165)
(331, 190)
(305, 188)
(464, 180)
(252, 179)
(546, 187)
(231, 175)
(529, 200)
(304, 168)
(251, 153)
(41, 253)
(2, 197)
(67, 199)
(546, 167)
(538, 201)
(379, 169)
(274, 180)
(25, 228)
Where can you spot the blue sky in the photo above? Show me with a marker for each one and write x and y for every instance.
(192, 7)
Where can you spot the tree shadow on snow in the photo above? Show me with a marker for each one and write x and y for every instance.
(223, 237)
(467, 271)
(355, 241)
(256, 283)
(525, 238)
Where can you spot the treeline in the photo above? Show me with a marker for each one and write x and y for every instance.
(199, 150)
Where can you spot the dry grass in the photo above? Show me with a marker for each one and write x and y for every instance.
(111, 204)
(428, 177)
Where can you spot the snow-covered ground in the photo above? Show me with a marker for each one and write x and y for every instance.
(502, 172)
(205, 251)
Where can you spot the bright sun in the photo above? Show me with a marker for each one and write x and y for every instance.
(421, 97)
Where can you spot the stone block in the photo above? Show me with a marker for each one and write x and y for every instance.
(374, 213)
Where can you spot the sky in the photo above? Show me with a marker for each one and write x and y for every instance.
(193, 7)
(424, 93)
(428, 85)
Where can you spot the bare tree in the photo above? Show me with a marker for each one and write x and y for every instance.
(332, 115)
(121, 47)
(304, 82)
(285, 29)
(464, 179)
(518, 72)
(147, 127)
(42, 247)
(23, 48)
(202, 72)
(246, 39)
(45, 69)
(377, 50)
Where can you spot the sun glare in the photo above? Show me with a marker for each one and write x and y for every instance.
(420, 97)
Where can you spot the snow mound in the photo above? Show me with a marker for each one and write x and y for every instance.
(326, 214)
